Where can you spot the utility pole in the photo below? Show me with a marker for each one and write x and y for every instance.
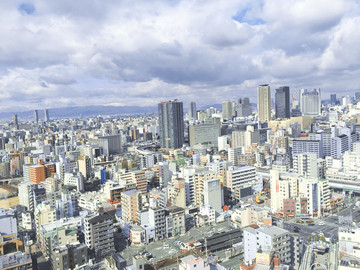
(206, 251)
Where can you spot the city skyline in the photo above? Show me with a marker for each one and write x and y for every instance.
(66, 54)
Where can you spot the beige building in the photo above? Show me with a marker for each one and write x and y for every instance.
(44, 214)
(284, 187)
(138, 177)
(199, 179)
(51, 184)
(304, 122)
(177, 192)
(84, 166)
(246, 216)
(131, 203)
(264, 103)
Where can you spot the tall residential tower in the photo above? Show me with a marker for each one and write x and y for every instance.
(264, 103)
(171, 122)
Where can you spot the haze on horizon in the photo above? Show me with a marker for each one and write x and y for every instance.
(93, 52)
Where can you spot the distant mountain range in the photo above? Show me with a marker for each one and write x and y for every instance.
(76, 112)
(90, 111)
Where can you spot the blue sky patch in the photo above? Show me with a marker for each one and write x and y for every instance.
(242, 18)
(26, 8)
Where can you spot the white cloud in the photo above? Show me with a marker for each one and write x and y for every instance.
(64, 53)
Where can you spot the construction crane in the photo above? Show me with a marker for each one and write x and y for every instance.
(273, 145)
(258, 200)
(294, 98)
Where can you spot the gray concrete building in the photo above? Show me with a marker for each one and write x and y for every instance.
(171, 122)
(282, 102)
(204, 134)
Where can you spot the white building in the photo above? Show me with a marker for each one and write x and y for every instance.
(310, 102)
(284, 187)
(271, 237)
(240, 177)
(213, 194)
(306, 164)
(8, 224)
(190, 262)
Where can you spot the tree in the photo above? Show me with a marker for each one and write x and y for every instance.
(322, 238)
(316, 238)
(309, 239)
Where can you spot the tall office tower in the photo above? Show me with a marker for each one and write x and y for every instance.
(333, 98)
(243, 107)
(282, 102)
(192, 111)
(15, 120)
(46, 115)
(171, 122)
(310, 102)
(264, 103)
(36, 116)
(227, 110)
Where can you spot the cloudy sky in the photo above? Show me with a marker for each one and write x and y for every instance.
(126, 52)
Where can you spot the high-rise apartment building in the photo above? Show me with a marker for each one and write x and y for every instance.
(37, 173)
(69, 256)
(227, 110)
(36, 116)
(282, 102)
(171, 122)
(267, 238)
(310, 102)
(306, 164)
(264, 103)
(243, 107)
(99, 235)
(131, 204)
(192, 111)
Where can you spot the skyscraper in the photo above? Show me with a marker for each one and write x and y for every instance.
(310, 102)
(282, 102)
(36, 116)
(171, 122)
(15, 120)
(333, 99)
(227, 110)
(264, 103)
(192, 111)
(244, 107)
(46, 115)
